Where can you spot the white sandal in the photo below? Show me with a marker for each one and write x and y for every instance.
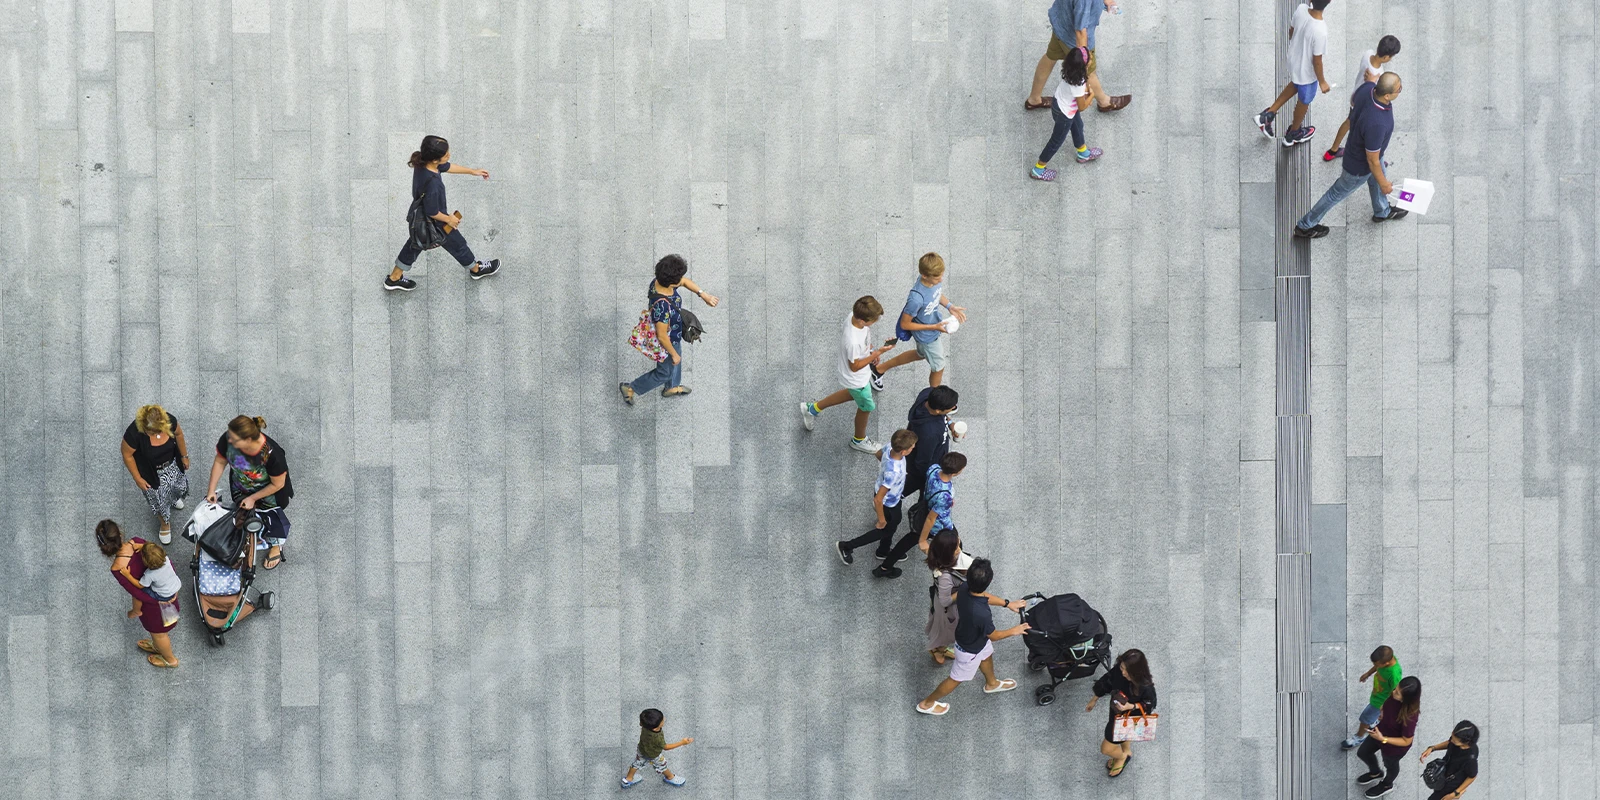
(939, 709)
(1006, 685)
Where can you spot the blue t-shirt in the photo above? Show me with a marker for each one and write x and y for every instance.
(1371, 124)
(1080, 15)
(429, 185)
(940, 498)
(667, 308)
(893, 475)
(923, 306)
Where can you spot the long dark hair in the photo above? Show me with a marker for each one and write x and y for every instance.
(108, 536)
(942, 549)
(1075, 68)
(1410, 698)
(1138, 668)
(433, 149)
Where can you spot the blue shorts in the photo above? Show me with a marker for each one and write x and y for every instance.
(1307, 91)
(1369, 715)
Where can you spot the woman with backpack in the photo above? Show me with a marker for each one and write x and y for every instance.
(427, 200)
(1396, 729)
(665, 308)
(944, 552)
(1131, 689)
(258, 478)
(1451, 775)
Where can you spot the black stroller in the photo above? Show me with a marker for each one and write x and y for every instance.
(1066, 637)
(223, 568)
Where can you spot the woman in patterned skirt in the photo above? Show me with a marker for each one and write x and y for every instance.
(258, 478)
(158, 459)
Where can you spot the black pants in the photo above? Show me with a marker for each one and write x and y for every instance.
(1369, 752)
(1064, 126)
(454, 243)
(891, 516)
(908, 541)
(1442, 793)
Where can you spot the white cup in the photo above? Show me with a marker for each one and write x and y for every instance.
(959, 429)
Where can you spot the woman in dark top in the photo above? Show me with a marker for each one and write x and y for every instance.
(1130, 686)
(427, 164)
(1460, 761)
(666, 313)
(157, 457)
(1397, 725)
(258, 478)
(157, 617)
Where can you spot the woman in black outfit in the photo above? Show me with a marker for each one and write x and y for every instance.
(157, 457)
(1130, 686)
(427, 164)
(1460, 761)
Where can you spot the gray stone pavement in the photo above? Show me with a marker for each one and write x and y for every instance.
(495, 565)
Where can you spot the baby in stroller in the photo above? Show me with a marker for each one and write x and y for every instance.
(224, 567)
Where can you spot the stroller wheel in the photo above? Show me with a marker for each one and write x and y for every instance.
(1046, 698)
(216, 639)
(1035, 665)
(264, 601)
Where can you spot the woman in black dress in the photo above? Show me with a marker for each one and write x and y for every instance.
(427, 165)
(157, 457)
(1129, 684)
(1460, 761)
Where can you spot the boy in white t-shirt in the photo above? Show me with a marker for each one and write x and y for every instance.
(855, 354)
(1308, 39)
(159, 578)
(1371, 68)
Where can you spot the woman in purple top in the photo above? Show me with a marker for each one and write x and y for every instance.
(1397, 727)
(158, 617)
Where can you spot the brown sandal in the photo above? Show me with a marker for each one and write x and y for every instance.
(1044, 102)
(1118, 102)
(147, 646)
(158, 661)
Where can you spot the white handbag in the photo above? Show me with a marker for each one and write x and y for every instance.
(203, 517)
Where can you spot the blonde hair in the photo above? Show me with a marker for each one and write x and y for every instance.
(247, 427)
(153, 555)
(142, 423)
(931, 265)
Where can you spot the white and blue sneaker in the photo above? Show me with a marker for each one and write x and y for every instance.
(676, 780)
(808, 416)
(627, 784)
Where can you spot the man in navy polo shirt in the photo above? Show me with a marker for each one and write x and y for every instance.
(1371, 124)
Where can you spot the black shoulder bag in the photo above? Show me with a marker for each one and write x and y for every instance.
(426, 233)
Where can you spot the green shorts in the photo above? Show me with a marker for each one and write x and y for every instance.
(863, 398)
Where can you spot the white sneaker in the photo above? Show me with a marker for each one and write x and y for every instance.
(178, 503)
(876, 380)
(865, 445)
(808, 417)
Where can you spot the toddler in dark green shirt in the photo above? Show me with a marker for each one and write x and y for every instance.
(651, 744)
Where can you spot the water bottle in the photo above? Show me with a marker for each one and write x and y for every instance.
(1116, 8)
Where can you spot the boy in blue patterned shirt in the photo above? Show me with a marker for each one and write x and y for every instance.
(886, 500)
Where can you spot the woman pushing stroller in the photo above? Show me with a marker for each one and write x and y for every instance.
(258, 479)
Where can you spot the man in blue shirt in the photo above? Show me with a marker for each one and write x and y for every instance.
(1072, 24)
(1371, 124)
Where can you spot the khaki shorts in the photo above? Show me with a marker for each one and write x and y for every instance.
(1057, 51)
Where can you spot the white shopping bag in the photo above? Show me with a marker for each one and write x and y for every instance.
(1412, 195)
(204, 515)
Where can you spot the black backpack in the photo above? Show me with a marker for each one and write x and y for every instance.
(426, 233)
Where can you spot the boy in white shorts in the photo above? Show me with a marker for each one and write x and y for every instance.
(975, 638)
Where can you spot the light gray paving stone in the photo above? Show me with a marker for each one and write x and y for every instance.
(1435, 432)
(1328, 441)
(1364, 392)
(1399, 340)
(1400, 474)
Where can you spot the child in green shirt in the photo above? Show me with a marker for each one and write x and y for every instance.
(1385, 674)
(651, 742)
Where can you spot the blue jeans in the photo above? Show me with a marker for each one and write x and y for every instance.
(1345, 186)
(666, 373)
(1059, 134)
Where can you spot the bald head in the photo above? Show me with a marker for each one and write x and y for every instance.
(1388, 87)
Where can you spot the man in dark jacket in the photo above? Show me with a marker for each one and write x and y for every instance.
(929, 419)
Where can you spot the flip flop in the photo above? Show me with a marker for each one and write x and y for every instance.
(158, 661)
(272, 561)
(627, 397)
(939, 709)
(1006, 685)
(147, 646)
(1044, 102)
(1112, 773)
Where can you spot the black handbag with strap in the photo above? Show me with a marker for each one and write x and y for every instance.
(426, 233)
(692, 329)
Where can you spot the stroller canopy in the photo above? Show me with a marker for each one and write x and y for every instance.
(1066, 618)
